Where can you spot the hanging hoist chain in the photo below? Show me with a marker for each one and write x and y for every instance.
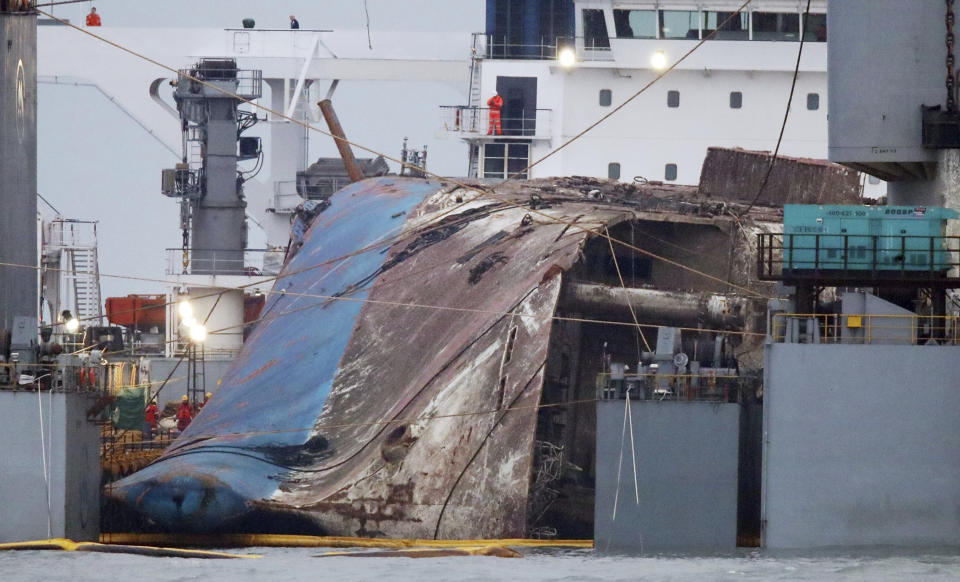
(186, 250)
(951, 80)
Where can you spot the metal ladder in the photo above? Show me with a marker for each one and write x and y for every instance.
(474, 166)
(195, 154)
(474, 100)
(85, 273)
(476, 58)
(196, 373)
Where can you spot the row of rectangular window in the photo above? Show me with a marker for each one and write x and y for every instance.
(669, 171)
(505, 161)
(697, 24)
(736, 99)
(502, 160)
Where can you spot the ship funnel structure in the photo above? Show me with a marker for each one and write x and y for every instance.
(207, 181)
(209, 184)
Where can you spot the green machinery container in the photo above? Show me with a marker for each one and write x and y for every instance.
(867, 238)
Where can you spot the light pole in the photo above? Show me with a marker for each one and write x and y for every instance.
(196, 334)
(70, 326)
(197, 375)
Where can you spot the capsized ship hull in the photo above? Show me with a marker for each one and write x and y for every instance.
(408, 405)
(259, 427)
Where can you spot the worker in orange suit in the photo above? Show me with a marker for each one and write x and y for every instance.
(151, 414)
(184, 414)
(495, 104)
(93, 19)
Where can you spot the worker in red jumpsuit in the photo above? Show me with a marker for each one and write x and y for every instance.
(206, 398)
(495, 104)
(93, 19)
(151, 414)
(184, 414)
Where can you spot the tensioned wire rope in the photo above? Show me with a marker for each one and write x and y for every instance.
(419, 232)
(216, 447)
(231, 449)
(488, 312)
(328, 298)
(483, 191)
(420, 419)
(604, 234)
(277, 277)
(58, 3)
(623, 286)
(786, 115)
(488, 192)
(379, 244)
(508, 202)
(225, 448)
(228, 449)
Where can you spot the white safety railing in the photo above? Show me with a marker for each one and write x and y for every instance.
(476, 121)
(249, 262)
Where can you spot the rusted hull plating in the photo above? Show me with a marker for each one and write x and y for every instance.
(253, 433)
(429, 426)
(437, 408)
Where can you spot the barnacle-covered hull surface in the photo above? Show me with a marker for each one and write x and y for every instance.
(396, 393)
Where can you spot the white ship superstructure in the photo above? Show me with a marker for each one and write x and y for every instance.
(296, 67)
(584, 58)
(559, 65)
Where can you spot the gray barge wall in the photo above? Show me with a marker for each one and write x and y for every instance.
(73, 459)
(686, 476)
(861, 445)
(18, 166)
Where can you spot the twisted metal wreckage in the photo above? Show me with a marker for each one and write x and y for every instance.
(442, 385)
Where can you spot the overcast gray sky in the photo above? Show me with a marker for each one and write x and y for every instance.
(464, 15)
(97, 164)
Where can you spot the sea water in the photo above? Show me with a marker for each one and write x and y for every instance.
(301, 564)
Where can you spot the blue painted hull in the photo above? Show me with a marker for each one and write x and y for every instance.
(412, 413)
(256, 429)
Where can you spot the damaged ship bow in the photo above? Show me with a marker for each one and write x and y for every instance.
(425, 363)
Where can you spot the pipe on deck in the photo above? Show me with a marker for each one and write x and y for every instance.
(343, 146)
(673, 307)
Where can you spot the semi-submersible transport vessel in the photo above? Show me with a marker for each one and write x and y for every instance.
(439, 360)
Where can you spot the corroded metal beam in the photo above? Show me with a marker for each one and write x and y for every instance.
(676, 307)
(343, 146)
